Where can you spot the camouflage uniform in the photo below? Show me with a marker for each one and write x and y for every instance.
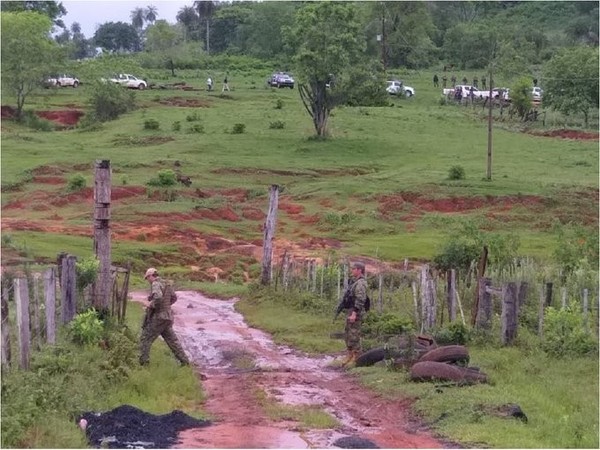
(352, 331)
(160, 324)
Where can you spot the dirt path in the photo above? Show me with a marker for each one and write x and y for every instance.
(240, 364)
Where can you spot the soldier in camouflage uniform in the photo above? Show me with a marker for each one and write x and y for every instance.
(159, 320)
(354, 319)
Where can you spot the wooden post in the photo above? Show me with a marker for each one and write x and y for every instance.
(480, 272)
(585, 311)
(322, 275)
(509, 313)
(432, 303)
(452, 295)
(102, 197)
(35, 327)
(522, 294)
(69, 292)
(548, 294)
(380, 295)
(484, 311)
(22, 302)
(6, 354)
(339, 278)
(270, 224)
(124, 293)
(415, 293)
(563, 303)
(50, 311)
(541, 313)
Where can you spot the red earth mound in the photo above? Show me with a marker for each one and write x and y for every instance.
(568, 134)
(68, 117)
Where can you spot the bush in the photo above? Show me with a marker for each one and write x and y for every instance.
(456, 173)
(86, 328)
(87, 272)
(279, 104)
(196, 128)
(165, 178)
(238, 128)
(76, 183)
(31, 120)
(277, 125)
(565, 334)
(193, 117)
(375, 325)
(456, 254)
(454, 333)
(151, 124)
(176, 125)
(108, 101)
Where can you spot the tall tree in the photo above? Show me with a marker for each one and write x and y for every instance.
(571, 81)
(138, 17)
(327, 39)
(28, 53)
(206, 9)
(188, 18)
(117, 36)
(151, 13)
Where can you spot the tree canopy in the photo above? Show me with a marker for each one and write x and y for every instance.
(117, 36)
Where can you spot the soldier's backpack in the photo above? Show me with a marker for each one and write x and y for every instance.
(169, 292)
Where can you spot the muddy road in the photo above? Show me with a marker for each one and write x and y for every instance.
(241, 366)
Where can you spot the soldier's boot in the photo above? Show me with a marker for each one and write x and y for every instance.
(352, 360)
(348, 358)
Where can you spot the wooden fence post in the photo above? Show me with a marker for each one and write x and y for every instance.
(522, 293)
(6, 354)
(22, 302)
(102, 198)
(380, 295)
(585, 311)
(563, 303)
(69, 291)
(452, 295)
(484, 310)
(270, 224)
(480, 272)
(548, 294)
(423, 296)
(35, 328)
(50, 310)
(432, 302)
(509, 313)
(415, 293)
(541, 313)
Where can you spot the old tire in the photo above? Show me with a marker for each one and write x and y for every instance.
(439, 371)
(447, 354)
(370, 357)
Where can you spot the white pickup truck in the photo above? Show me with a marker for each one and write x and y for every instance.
(465, 91)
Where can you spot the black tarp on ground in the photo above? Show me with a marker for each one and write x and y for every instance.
(130, 427)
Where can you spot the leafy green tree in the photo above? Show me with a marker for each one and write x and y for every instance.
(151, 14)
(260, 34)
(138, 17)
(28, 53)
(117, 36)
(227, 27)
(520, 94)
(189, 19)
(162, 39)
(206, 9)
(571, 81)
(52, 9)
(327, 39)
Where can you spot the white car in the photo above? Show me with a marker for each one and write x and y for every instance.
(129, 81)
(63, 80)
(395, 87)
(503, 93)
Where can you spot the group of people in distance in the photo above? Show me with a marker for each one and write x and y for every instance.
(209, 84)
(158, 320)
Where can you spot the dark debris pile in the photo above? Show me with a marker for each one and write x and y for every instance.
(130, 427)
(354, 442)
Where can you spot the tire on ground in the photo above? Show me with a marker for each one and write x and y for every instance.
(439, 371)
(370, 357)
(447, 354)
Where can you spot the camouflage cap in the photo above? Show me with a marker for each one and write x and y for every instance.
(150, 271)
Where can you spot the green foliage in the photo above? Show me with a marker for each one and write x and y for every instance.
(86, 328)
(194, 117)
(121, 356)
(577, 247)
(151, 124)
(238, 128)
(383, 325)
(196, 128)
(32, 120)
(359, 87)
(333, 220)
(86, 272)
(277, 125)
(456, 173)
(279, 104)
(520, 94)
(565, 334)
(165, 178)
(176, 126)
(457, 253)
(453, 333)
(76, 183)
(108, 101)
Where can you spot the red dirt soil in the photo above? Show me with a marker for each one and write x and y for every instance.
(68, 117)
(567, 134)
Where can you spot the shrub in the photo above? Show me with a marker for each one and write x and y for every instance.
(279, 104)
(277, 125)
(165, 178)
(193, 117)
(375, 325)
(31, 120)
(76, 183)
(456, 173)
(108, 101)
(86, 328)
(176, 125)
(86, 271)
(565, 334)
(196, 128)
(238, 128)
(151, 124)
(454, 333)
(456, 254)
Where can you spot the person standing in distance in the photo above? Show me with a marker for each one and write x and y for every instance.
(358, 293)
(225, 84)
(209, 84)
(159, 319)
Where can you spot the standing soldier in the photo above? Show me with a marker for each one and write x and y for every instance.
(444, 79)
(464, 80)
(475, 82)
(453, 80)
(435, 80)
(358, 294)
(158, 320)
(483, 80)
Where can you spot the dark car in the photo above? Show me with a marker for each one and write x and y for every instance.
(282, 79)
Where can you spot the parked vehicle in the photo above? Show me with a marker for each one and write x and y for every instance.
(465, 91)
(281, 80)
(62, 80)
(397, 87)
(129, 81)
(502, 93)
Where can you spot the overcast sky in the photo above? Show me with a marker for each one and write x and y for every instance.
(91, 13)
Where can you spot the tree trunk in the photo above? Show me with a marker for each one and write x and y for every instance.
(207, 37)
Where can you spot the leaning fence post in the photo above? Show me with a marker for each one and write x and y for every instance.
(6, 355)
(452, 295)
(509, 313)
(585, 310)
(22, 302)
(484, 309)
(50, 311)
(380, 295)
(541, 313)
(270, 224)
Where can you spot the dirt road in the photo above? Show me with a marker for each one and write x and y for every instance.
(242, 365)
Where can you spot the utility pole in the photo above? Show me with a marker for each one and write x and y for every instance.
(490, 127)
